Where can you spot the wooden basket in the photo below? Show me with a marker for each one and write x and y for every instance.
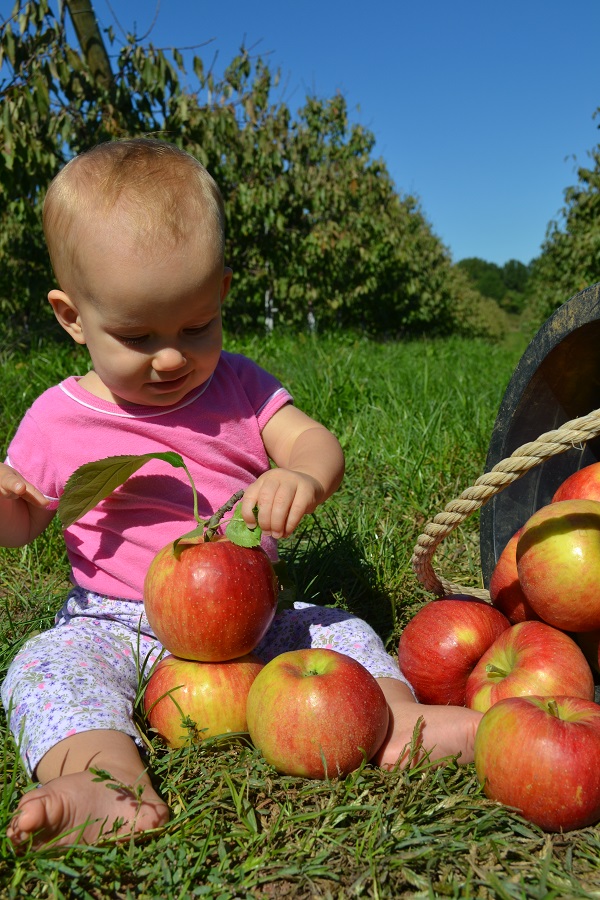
(572, 434)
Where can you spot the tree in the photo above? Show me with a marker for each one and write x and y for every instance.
(486, 277)
(314, 220)
(506, 285)
(90, 40)
(515, 275)
(570, 258)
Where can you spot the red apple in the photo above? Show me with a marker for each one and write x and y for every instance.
(211, 600)
(581, 485)
(316, 713)
(541, 755)
(442, 642)
(558, 561)
(529, 658)
(506, 592)
(211, 696)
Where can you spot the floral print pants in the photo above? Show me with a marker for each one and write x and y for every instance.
(84, 673)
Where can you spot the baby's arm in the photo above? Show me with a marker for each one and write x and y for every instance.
(310, 467)
(23, 509)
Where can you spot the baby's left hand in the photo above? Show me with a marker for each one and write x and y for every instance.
(283, 497)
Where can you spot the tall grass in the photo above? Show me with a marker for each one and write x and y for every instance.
(415, 421)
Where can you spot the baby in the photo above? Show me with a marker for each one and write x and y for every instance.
(135, 231)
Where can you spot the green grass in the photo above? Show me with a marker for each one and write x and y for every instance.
(415, 421)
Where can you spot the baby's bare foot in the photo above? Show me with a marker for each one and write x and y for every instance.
(80, 808)
(435, 732)
(417, 730)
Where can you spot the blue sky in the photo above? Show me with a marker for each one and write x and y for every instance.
(483, 110)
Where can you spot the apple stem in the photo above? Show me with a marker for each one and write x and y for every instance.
(213, 523)
(552, 707)
(491, 669)
(194, 492)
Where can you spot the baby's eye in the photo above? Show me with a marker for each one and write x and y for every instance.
(197, 330)
(129, 339)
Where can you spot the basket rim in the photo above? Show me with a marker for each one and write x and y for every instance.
(573, 433)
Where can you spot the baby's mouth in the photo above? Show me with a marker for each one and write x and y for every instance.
(169, 384)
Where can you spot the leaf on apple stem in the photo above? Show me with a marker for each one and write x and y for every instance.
(236, 531)
(195, 536)
(94, 481)
(239, 533)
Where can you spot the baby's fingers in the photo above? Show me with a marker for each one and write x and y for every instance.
(273, 502)
(279, 514)
(14, 487)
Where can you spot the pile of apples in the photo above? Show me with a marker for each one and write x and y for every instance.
(210, 599)
(314, 713)
(527, 661)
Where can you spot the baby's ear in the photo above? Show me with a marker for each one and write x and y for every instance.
(226, 283)
(67, 314)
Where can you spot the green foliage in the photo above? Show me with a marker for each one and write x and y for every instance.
(315, 222)
(486, 276)
(474, 314)
(94, 481)
(570, 259)
(515, 275)
(507, 284)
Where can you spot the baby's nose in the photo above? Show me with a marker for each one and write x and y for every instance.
(167, 359)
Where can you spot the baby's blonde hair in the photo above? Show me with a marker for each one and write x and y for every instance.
(162, 194)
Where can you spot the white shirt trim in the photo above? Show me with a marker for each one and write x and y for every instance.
(149, 412)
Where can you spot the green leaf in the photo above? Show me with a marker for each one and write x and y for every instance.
(93, 482)
(195, 536)
(238, 532)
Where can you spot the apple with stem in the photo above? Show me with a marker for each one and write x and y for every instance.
(558, 561)
(541, 756)
(441, 644)
(316, 713)
(529, 658)
(187, 700)
(207, 597)
(211, 600)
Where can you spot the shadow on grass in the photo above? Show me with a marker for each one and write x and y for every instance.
(326, 564)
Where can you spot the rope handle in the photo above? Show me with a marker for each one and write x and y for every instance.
(575, 432)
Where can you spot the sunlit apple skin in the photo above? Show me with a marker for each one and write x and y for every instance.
(506, 592)
(581, 485)
(546, 766)
(442, 642)
(211, 602)
(530, 658)
(316, 713)
(558, 561)
(212, 695)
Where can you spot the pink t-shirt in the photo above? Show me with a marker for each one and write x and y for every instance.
(217, 431)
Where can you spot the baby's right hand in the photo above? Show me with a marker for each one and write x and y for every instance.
(14, 487)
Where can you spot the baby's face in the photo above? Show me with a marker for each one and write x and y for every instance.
(153, 323)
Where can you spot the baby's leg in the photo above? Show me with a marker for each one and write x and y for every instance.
(74, 805)
(309, 626)
(444, 730)
(69, 694)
